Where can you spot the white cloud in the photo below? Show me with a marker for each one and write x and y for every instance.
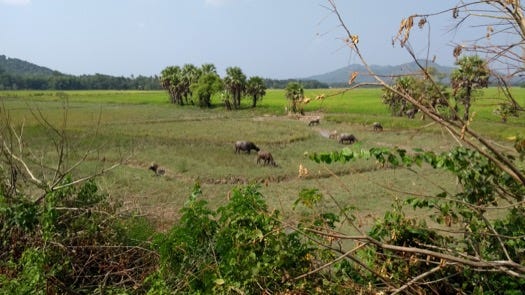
(16, 2)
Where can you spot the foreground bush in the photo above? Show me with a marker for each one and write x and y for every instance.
(239, 248)
(476, 244)
(71, 241)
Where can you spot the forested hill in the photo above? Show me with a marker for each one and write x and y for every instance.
(18, 67)
(19, 74)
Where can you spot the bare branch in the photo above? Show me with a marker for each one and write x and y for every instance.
(507, 266)
(348, 253)
(414, 280)
(21, 161)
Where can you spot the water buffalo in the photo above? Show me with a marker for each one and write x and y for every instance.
(314, 122)
(155, 168)
(266, 158)
(246, 146)
(411, 113)
(377, 126)
(350, 138)
(333, 134)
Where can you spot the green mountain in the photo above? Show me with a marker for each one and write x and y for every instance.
(342, 75)
(18, 67)
(18, 74)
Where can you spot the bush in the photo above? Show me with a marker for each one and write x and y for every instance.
(240, 247)
(70, 241)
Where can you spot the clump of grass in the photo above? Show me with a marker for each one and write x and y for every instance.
(182, 166)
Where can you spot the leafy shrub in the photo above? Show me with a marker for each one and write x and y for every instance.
(240, 247)
(69, 241)
(472, 251)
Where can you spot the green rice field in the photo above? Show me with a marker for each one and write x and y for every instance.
(138, 128)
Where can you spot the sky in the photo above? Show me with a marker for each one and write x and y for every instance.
(277, 39)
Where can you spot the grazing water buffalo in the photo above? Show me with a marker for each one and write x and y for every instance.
(266, 158)
(333, 134)
(314, 122)
(246, 146)
(155, 168)
(350, 138)
(377, 126)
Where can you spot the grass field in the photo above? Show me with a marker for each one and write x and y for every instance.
(195, 145)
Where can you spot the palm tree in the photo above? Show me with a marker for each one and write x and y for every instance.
(171, 81)
(472, 74)
(208, 68)
(255, 88)
(235, 84)
(295, 92)
(189, 75)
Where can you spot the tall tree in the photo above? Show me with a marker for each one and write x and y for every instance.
(208, 68)
(255, 88)
(294, 92)
(472, 74)
(427, 92)
(207, 85)
(189, 75)
(171, 81)
(394, 98)
(235, 84)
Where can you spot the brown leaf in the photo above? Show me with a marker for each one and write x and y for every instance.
(455, 12)
(355, 39)
(352, 77)
(422, 22)
(457, 51)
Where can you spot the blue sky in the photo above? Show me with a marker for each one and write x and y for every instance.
(268, 38)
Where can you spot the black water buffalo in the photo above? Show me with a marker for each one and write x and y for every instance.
(314, 122)
(411, 113)
(266, 158)
(347, 138)
(246, 146)
(377, 126)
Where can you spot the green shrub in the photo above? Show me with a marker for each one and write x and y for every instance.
(72, 240)
(240, 247)
(479, 228)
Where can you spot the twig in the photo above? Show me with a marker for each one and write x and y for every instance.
(330, 263)
(414, 280)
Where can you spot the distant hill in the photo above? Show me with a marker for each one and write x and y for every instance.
(18, 67)
(18, 74)
(342, 75)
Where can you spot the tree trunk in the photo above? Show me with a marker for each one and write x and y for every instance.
(467, 104)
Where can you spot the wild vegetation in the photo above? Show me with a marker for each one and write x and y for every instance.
(197, 146)
(455, 185)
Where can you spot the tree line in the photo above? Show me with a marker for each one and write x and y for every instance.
(60, 81)
(307, 84)
(21, 75)
(190, 84)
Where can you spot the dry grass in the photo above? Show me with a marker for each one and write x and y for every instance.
(194, 145)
